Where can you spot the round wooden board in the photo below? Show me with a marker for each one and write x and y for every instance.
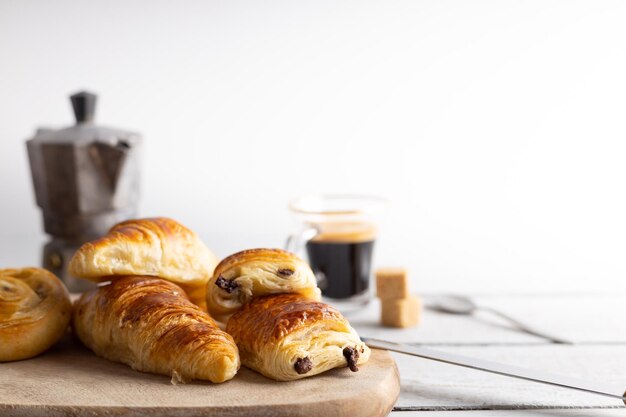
(69, 380)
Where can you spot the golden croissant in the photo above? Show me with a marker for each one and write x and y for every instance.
(288, 336)
(158, 247)
(256, 272)
(35, 310)
(149, 324)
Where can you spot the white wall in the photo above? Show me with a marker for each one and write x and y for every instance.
(496, 128)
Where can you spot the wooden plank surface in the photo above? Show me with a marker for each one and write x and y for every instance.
(70, 380)
(514, 413)
(430, 385)
(595, 318)
(593, 322)
(583, 319)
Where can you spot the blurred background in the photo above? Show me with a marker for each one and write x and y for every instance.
(495, 128)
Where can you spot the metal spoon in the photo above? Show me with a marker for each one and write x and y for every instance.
(455, 304)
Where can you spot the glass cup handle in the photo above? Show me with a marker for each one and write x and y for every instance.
(295, 242)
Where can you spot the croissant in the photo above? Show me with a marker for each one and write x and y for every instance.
(149, 324)
(288, 336)
(158, 247)
(35, 310)
(256, 272)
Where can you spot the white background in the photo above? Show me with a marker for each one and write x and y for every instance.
(496, 128)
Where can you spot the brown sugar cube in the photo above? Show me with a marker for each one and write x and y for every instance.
(403, 313)
(392, 283)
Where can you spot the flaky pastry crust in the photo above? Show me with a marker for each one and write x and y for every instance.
(35, 310)
(257, 272)
(287, 337)
(150, 325)
(158, 247)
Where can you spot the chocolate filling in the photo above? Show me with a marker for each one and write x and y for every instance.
(352, 357)
(286, 272)
(227, 285)
(303, 365)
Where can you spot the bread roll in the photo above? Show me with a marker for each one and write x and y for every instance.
(35, 310)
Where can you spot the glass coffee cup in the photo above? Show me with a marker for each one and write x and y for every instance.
(338, 235)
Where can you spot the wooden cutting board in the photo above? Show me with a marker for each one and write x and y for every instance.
(70, 380)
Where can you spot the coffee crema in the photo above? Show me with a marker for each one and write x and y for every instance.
(345, 232)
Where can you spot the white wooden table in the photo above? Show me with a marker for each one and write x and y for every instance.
(595, 323)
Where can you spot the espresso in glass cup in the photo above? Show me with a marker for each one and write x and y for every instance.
(338, 234)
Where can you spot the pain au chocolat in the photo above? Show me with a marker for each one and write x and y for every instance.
(149, 324)
(288, 336)
(257, 272)
(270, 302)
(35, 310)
(158, 247)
